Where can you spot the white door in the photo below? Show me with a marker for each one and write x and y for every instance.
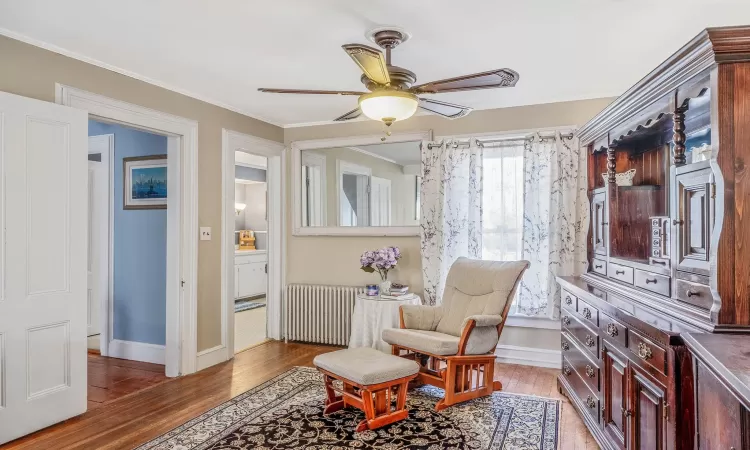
(100, 151)
(380, 202)
(43, 211)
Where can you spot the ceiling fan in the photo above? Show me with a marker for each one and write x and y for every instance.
(392, 96)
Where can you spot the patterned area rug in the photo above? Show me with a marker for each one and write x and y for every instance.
(287, 413)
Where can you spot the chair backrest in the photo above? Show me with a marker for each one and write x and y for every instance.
(478, 287)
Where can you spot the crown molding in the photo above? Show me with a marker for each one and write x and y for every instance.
(112, 68)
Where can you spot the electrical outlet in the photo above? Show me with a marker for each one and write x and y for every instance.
(205, 233)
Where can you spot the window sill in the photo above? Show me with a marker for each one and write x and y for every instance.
(532, 322)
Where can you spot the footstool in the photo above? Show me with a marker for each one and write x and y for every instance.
(370, 380)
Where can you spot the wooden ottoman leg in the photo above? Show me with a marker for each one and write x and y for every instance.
(378, 409)
(333, 402)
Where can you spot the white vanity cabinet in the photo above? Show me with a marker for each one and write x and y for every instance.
(250, 278)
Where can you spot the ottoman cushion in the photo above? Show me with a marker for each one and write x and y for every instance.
(366, 366)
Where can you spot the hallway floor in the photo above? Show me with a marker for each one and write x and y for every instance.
(250, 327)
(110, 378)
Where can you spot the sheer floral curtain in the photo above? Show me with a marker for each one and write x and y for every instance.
(555, 219)
(451, 211)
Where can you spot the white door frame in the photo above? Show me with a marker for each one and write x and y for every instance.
(182, 210)
(274, 151)
(105, 318)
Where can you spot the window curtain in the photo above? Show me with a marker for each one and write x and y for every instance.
(451, 211)
(555, 220)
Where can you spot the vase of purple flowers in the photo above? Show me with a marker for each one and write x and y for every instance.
(382, 261)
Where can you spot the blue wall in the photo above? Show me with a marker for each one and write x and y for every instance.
(140, 246)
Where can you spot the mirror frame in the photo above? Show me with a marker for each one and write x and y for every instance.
(298, 146)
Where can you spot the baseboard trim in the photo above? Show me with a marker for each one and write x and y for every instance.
(528, 356)
(137, 351)
(211, 357)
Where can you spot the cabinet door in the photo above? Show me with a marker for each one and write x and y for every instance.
(721, 417)
(695, 210)
(615, 390)
(236, 282)
(648, 412)
(599, 223)
(245, 280)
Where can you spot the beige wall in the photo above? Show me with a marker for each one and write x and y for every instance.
(334, 260)
(32, 72)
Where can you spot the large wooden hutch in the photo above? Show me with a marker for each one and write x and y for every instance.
(669, 252)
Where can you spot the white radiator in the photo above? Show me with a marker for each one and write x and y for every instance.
(319, 314)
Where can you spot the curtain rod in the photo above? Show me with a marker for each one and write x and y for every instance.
(485, 142)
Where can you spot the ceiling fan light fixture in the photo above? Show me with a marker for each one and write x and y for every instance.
(388, 106)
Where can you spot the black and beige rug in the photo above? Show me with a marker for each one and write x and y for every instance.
(287, 413)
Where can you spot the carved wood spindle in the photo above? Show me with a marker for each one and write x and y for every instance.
(611, 166)
(679, 138)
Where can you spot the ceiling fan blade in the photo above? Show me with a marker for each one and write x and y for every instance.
(485, 80)
(353, 114)
(444, 109)
(370, 60)
(307, 91)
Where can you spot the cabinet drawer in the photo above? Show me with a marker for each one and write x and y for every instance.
(652, 282)
(647, 351)
(581, 390)
(586, 338)
(614, 330)
(587, 368)
(599, 266)
(621, 273)
(568, 299)
(588, 313)
(693, 293)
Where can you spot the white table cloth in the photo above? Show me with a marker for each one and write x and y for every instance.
(371, 316)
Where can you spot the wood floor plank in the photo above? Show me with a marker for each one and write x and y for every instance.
(138, 417)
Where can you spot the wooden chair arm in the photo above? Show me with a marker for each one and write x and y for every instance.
(465, 336)
(401, 317)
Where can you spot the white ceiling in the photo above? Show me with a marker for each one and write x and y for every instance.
(221, 51)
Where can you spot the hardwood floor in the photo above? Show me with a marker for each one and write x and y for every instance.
(110, 378)
(135, 419)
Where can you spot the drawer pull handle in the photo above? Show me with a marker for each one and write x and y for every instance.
(650, 281)
(589, 371)
(644, 351)
(590, 341)
(691, 293)
(619, 272)
(566, 370)
(597, 266)
(677, 222)
(566, 320)
(587, 313)
(565, 346)
(590, 402)
(598, 241)
(568, 300)
(663, 263)
(627, 412)
(612, 329)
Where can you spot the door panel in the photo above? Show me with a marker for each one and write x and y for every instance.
(615, 396)
(380, 202)
(648, 410)
(43, 308)
(98, 235)
(599, 223)
(695, 209)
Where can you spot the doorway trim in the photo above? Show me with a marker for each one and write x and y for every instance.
(182, 247)
(274, 151)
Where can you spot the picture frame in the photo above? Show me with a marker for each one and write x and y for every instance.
(144, 182)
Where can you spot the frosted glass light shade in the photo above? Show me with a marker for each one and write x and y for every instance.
(388, 106)
(239, 207)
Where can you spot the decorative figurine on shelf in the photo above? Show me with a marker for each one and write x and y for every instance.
(381, 260)
(247, 240)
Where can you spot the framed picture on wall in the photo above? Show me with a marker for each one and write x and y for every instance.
(145, 182)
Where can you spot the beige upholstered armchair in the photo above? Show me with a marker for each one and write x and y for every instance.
(455, 343)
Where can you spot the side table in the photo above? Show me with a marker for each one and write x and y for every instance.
(371, 316)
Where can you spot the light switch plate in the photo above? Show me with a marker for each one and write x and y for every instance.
(205, 233)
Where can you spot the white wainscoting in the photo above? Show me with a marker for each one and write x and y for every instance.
(212, 356)
(529, 356)
(138, 351)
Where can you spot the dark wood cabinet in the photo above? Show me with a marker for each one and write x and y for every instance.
(668, 252)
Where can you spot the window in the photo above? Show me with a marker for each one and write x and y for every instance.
(502, 203)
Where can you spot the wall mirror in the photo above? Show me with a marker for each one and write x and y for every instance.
(358, 186)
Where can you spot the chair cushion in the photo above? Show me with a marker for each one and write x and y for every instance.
(427, 341)
(366, 366)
